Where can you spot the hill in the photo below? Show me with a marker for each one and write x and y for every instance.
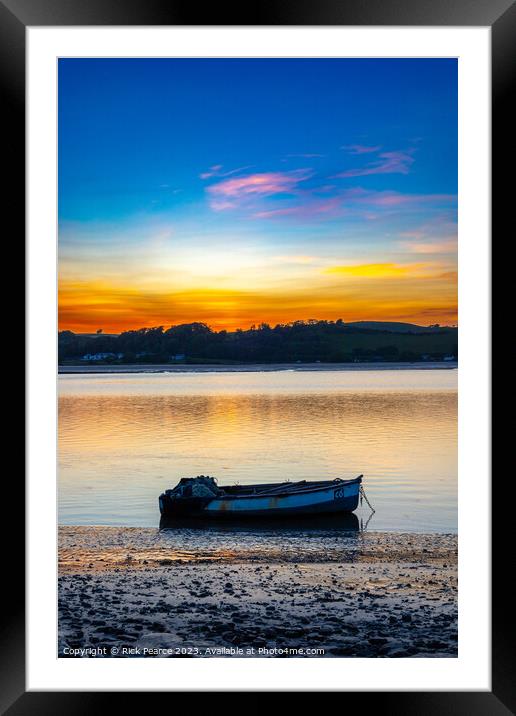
(391, 327)
(300, 341)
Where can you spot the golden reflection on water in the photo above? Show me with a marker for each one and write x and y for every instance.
(123, 440)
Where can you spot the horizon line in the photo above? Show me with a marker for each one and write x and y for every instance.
(255, 326)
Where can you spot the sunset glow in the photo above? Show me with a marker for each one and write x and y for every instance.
(236, 192)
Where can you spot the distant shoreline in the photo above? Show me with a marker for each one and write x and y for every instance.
(252, 367)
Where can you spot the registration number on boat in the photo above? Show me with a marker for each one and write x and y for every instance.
(338, 494)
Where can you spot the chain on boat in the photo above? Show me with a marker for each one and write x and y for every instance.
(364, 496)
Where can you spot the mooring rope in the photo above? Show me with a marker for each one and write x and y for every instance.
(363, 495)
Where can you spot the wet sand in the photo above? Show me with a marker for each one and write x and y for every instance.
(139, 592)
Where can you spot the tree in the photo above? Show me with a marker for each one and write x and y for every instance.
(307, 341)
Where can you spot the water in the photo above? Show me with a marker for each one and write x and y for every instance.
(124, 438)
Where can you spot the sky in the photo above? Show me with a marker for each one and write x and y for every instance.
(241, 191)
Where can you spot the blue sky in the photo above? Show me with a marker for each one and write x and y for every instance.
(343, 162)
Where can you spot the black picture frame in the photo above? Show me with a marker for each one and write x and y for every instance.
(15, 17)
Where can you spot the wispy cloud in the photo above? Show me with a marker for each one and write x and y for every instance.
(212, 172)
(273, 195)
(378, 270)
(390, 293)
(217, 170)
(309, 209)
(306, 156)
(295, 259)
(430, 247)
(393, 199)
(408, 273)
(233, 193)
(305, 194)
(361, 148)
(398, 162)
(437, 236)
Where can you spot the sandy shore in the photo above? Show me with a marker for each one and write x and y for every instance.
(140, 592)
(249, 368)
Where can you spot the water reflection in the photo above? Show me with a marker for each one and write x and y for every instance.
(316, 538)
(318, 525)
(124, 440)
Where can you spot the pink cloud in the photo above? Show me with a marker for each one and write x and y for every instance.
(361, 148)
(232, 192)
(308, 210)
(367, 204)
(393, 199)
(216, 171)
(419, 235)
(325, 189)
(387, 163)
(306, 156)
(276, 194)
(436, 235)
(221, 205)
(212, 172)
(430, 247)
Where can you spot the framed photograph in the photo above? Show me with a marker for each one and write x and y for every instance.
(259, 403)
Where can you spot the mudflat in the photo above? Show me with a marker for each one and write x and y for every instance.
(141, 593)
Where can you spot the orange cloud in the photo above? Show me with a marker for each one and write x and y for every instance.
(431, 247)
(382, 270)
(87, 306)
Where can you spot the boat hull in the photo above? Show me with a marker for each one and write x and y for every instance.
(335, 498)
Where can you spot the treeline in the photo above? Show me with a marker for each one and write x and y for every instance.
(305, 341)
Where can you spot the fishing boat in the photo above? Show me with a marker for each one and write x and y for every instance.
(202, 497)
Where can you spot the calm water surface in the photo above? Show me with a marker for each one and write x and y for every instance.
(124, 438)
